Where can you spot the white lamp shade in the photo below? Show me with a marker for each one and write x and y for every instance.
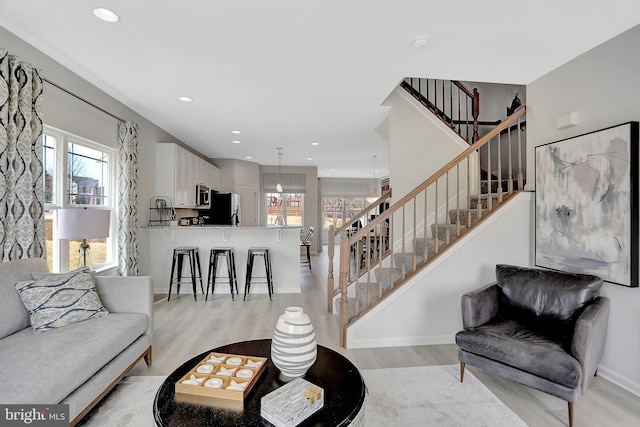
(83, 223)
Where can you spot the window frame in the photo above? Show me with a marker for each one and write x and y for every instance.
(343, 204)
(285, 197)
(60, 247)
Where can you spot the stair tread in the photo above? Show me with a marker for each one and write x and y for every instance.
(373, 292)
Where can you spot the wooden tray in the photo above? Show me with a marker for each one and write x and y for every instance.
(221, 380)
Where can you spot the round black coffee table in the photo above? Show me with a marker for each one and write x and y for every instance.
(342, 383)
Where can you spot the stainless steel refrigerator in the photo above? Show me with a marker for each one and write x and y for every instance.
(225, 209)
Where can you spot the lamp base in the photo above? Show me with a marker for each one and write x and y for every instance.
(84, 253)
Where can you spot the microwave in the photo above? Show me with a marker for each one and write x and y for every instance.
(203, 197)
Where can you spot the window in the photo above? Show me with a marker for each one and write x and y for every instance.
(338, 210)
(78, 172)
(87, 175)
(284, 209)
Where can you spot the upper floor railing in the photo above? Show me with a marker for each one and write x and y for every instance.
(451, 101)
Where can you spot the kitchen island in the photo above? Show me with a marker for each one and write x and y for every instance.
(283, 242)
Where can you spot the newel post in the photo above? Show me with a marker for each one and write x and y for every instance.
(345, 253)
(330, 282)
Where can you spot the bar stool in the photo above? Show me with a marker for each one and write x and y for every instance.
(252, 253)
(213, 267)
(193, 253)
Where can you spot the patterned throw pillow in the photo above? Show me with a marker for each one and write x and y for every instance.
(56, 300)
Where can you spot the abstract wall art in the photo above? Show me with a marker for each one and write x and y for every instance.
(587, 204)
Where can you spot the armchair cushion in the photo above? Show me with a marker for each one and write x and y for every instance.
(545, 293)
(524, 347)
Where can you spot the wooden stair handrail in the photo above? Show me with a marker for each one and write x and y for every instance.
(474, 147)
(347, 242)
(433, 178)
(463, 88)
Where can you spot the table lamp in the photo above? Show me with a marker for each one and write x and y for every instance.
(83, 223)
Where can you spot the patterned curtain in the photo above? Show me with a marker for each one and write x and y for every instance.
(22, 232)
(128, 200)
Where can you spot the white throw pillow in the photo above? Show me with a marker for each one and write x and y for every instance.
(56, 300)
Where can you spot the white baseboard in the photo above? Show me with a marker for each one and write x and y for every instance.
(619, 380)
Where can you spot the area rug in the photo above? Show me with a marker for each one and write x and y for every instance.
(432, 396)
(130, 404)
(422, 396)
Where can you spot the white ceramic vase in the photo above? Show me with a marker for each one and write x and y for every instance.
(293, 348)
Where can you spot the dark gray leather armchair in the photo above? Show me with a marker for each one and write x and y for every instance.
(541, 328)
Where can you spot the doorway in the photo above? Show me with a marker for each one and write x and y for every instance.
(248, 204)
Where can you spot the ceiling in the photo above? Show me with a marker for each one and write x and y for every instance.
(289, 73)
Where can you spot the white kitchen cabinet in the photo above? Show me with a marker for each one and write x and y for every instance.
(173, 178)
(215, 178)
(178, 171)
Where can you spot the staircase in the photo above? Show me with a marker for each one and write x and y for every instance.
(404, 238)
(423, 249)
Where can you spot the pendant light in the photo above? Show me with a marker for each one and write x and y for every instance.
(279, 184)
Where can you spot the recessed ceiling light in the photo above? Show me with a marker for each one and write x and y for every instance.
(309, 158)
(105, 15)
(315, 143)
(185, 99)
(248, 157)
(332, 170)
(235, 132)
(235, 141)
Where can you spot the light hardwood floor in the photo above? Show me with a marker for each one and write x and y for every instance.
(185, 328)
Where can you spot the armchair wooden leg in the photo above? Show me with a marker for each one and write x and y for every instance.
(147, 356)
(570, 414)
(461, 371)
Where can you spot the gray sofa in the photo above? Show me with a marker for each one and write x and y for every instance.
(75, 364)
(544, 329)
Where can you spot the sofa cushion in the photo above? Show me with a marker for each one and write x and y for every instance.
(14, 316)
(56, 300)
(525, 348)
(546, 293)
(45, 368)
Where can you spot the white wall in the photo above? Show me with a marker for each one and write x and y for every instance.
(601, 87)
(65, 112)
(494, 100)
(427, 310)
(417, 143)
